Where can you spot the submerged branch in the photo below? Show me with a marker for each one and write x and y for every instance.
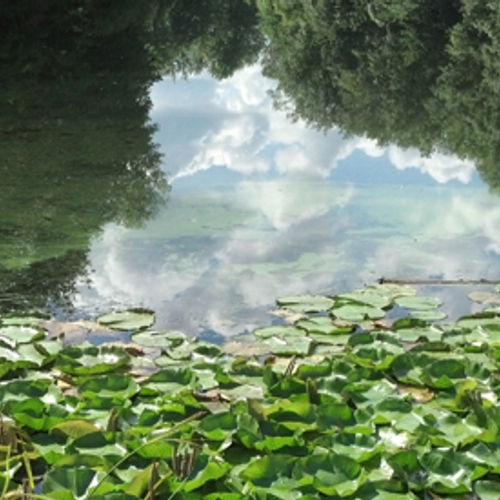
(396, 281)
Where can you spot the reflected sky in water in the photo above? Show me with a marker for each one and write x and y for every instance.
(262, 207)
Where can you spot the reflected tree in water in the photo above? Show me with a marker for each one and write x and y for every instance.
(420, 74)
(76, 148)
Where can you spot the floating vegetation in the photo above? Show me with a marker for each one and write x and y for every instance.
(345, 402)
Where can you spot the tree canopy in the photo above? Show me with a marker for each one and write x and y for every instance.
(418, 74)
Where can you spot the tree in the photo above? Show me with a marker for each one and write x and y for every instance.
(219, 36)
(416, 73)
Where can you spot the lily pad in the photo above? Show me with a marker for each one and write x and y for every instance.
(373, 296)
(21, 334)
(421, 303)
(91, 360)
(306, 303)
(323, 325)
(479, 319)
(396, 290)
(281, 331)
(428, 315)
(483, 297)
(160, 339)
(357, 312)
(133, 319)
(300, 345)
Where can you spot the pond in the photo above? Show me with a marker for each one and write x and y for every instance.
(260, 207)
(200, 195)
(201, 199)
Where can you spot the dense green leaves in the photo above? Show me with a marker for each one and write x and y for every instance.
(342, 409)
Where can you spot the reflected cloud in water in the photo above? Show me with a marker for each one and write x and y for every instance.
(273, 218)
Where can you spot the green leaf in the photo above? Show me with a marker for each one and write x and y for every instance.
(372, 296)
(36, 415)
(76, 481)
(487, 490)
(115, 386)
(333, 415)
(21, 334)
(161, 339)
(406, 465)
(483, 297)
(421, 303)
(100, 444)
(396, 290)
(75, 428)
(267, 470)
(457, 431)
(329, 473)
(218, 426)
(280, 331)
(50, 447)
(478, 319)
(359, 447)
(132, 319)
(428, 315)
(441, 373)
(141, 481)
(205, 472)
(369, 392)
(409, 367)
(19, 390)
(295, 413)
(22, 320)
(486, 454)
(168, 380)
(353, 311)
(91, 360)
(323, 325)
(289, 345)
(390, 410)
(305, 303)
(449, 472)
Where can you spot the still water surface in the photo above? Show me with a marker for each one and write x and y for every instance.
(262, 207)
(197, 198)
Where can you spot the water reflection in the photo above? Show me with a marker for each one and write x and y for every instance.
(77, 152)
(261, 205)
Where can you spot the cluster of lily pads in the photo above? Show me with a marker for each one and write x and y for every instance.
(365, 395)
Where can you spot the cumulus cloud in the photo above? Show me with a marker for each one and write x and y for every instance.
(286, 202)
(247, 135)
(442, 168)
(300, 234)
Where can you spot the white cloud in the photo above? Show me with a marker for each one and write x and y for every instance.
(286, 203)
(442, 168)
(297, 238)
(226, 288)
(247, 135)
